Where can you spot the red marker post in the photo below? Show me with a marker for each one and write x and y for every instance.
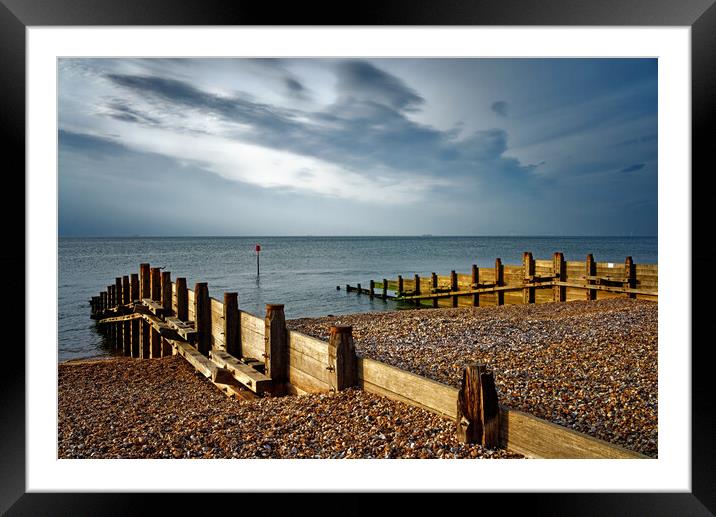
(258, 249)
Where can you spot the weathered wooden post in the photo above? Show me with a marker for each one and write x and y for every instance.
(134, 288)
(156, 284)
(400, 285)
(110, 327)
(475, 282)
(499, 282)
(276, 344)
(232, 325)
(590, 270)
(202, 317)
(167, 293)
(385, 289)
(342, 359)
(453, 287)
(110, 296)
(118, 291)
(144, 273)
(434, 285)
(478, 412)
(182, 299)
(103, 301)
(629, 276)
(528, 273)
(559, 293)
(372, 288)
(417, 289)
(125, 290)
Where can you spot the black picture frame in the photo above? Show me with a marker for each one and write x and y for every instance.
(16, 15)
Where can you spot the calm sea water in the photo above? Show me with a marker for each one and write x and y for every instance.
(300, 272)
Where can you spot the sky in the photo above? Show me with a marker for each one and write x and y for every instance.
(407, 146)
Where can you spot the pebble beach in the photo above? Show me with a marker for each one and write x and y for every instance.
(590, 366)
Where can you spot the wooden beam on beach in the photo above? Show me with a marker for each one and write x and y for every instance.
(385, 289)
(499, 282)
(232, 324)
(243, 373)
(208, 369)
(144, 339)
(202, 318)
(559, 294)
(453, 287)
(276, 344)
(434, 286)
(135, 339)
(154, 307)
(342, 359)
(497, 290)
(184, 329)
(400, 285)
(127, 338)
(416, 291)
(115, 319)
(606, 288)
(371, 287)
(528, 268)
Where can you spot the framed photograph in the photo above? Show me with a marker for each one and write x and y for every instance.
(467, 86)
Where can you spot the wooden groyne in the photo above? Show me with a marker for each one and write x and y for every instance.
(146, 315)
(533, 281)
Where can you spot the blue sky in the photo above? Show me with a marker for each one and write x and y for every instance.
(357, 147)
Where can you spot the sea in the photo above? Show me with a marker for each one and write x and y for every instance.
(302, 273)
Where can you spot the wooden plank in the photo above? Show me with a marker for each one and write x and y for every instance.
(166, 292)
(528, 273)
(309, 345)
(474, 280)
(126, 299)
(539, 438)
(606, 288)
(127, 317)
(430, 394)
(252, 344)
(305, 382)
(155, 307)
(134, 287)
(590, 270)
(156, 284)
(252, 323)
(254, 380)
(144, 281)
(499, 281)
(310, 365)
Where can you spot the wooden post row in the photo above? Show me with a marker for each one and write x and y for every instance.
(276, 344)
(342, 359)
(372, 288)
(385, 288)
(528, 269)
(475, 281)
(478, 410)
(417, 288)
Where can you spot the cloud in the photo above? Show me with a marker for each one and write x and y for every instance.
(366, 82)
(500, 107)
(633, 168)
